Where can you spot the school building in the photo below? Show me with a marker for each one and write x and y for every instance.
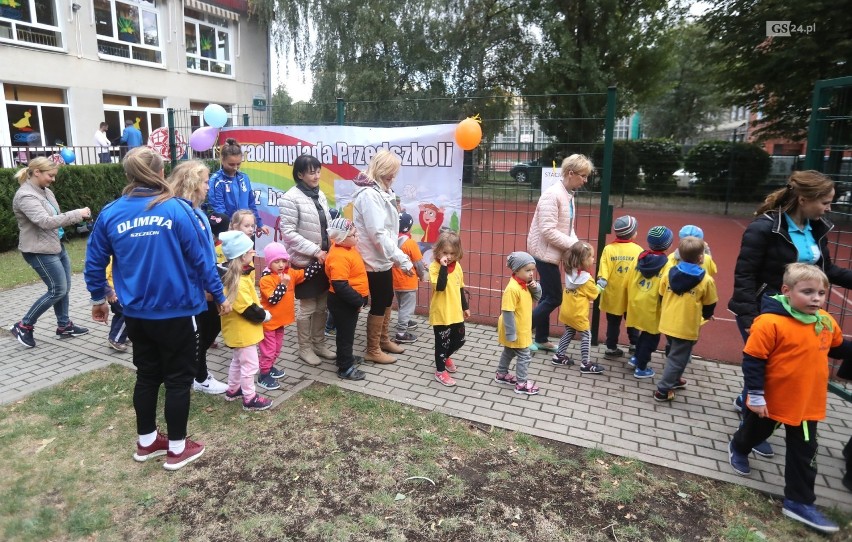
(67, 65)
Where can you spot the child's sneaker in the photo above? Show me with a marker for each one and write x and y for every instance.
(561, 359)
(191, 452)
(809, 515)
(70, 330)
(546, 346)
(117, 346)
(681, 384)
(352, 374)
(276, 373)
(664, 396)
(738, 461)
(527, 387)
(450, 366)
(24, 334)
(444, 378)
(157, 448)
(234, 395)
(632, 348)
(632, 361)
(614, 353)
(258, 402)
(505, 378)
(330, 332)
(412, 324)
(644, 373)
(591, 369)
(266, 382)
(404, 338)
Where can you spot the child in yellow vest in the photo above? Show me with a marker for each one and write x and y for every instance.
(617, 259)
(242, 328)
(580, 290)
(708, 265)
(448, 308)
(514, 327)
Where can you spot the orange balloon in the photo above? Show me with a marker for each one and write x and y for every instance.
(468, 134)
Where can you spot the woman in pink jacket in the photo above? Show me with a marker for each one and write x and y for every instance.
(551, 234)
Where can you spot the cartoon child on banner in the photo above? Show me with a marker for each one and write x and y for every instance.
(431, 219)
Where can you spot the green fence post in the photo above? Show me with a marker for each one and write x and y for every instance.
(341, 112)
(170, 116)
(605, 218)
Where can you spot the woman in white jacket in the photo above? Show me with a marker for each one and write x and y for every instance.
(376, 218)
(303, 223)
(551, 234)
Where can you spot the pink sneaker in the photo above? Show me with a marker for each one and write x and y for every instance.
(505, 378)
(157, 448)
(451, 367)
(444, 378)
(191, 451)
(527, 387)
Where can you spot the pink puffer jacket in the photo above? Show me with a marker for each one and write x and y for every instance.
(552, 228)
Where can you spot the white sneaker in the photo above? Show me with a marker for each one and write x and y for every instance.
(211, 386)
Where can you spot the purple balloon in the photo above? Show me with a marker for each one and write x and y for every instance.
(203, 138)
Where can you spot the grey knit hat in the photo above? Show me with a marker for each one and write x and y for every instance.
(624, 226)
(339, 228)
(517, 260)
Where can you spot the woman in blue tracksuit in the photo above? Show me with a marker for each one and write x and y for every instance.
(230, 188)
(162, 265)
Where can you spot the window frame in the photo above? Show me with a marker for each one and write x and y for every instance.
(198, 58)
(143, 7)
(30, 26)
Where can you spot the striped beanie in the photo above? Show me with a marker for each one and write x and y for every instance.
(660, 238)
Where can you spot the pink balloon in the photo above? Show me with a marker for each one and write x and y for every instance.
(203, 139)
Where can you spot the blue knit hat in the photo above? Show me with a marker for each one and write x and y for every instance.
(690, 231)
(405, 222)
(660, 238)
(235, 244)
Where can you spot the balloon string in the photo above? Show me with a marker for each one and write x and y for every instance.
(477, 118)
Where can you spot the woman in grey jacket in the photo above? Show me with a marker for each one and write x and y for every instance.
(376, 217)
(303, 222)
(40, 223)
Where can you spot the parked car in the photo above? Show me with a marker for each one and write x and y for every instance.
(527, 172)
(685, 179)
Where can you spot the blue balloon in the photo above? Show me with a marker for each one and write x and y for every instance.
(67, 155)
(215, 115)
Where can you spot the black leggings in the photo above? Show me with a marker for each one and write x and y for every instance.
(381, 291)
(448, 339)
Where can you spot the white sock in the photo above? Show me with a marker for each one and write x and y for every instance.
(176, 446)
(147, 440)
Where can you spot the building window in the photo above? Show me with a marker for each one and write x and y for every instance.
(622, 128)
(208, 43)
(38, 116)
(31, 22)
(147, 114)
(129, 30)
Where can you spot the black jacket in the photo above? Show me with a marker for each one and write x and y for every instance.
(765, 251)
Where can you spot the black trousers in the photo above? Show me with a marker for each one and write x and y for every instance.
(381, 291)
(646, 343)
(211, 324)
(448, 339)
(165, 352)
(613, 327)
(345, 318)
(800, 469)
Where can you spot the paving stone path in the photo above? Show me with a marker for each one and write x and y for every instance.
(614, 411)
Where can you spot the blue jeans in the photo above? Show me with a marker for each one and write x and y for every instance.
(551, 297)
(55, 272)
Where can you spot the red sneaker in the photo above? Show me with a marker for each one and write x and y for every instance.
(191, 451)
(451, 367)
(444, 378)
(157, 448)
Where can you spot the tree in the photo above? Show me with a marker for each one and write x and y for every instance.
(589, 45)
(659, 159)
(776, 75)
(727, 170)
(690, 99)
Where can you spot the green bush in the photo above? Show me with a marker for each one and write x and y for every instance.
(711, 162)
(625, 168)
(659, 159)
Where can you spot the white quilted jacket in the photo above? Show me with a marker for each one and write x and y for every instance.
(552, 228)
(300, 226)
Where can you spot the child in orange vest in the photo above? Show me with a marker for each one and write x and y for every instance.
(404, 285)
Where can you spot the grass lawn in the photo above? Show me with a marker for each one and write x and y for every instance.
(332, 465)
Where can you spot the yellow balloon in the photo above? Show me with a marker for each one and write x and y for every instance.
(468, 134)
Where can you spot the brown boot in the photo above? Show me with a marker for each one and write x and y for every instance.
(318, 337)
(306, 351)
(374, 330)
(386, 344)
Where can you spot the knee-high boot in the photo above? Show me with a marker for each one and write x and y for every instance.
(306, 351)
(385, 343)
(374, 331)
(318, 336)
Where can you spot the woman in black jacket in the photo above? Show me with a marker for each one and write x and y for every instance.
(790, 227)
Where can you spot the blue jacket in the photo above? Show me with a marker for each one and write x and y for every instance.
(131, 137)
(230, 194)
(163, 261)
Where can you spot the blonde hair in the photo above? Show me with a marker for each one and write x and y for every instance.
(798, 272)
(237, 218)
(448, 240)
(808, 184)
(143, 168)
(576, 256)
(383, 164)
(578, 163)
(690, 249)
(36, 164)
(231, 278)
(186, 178)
